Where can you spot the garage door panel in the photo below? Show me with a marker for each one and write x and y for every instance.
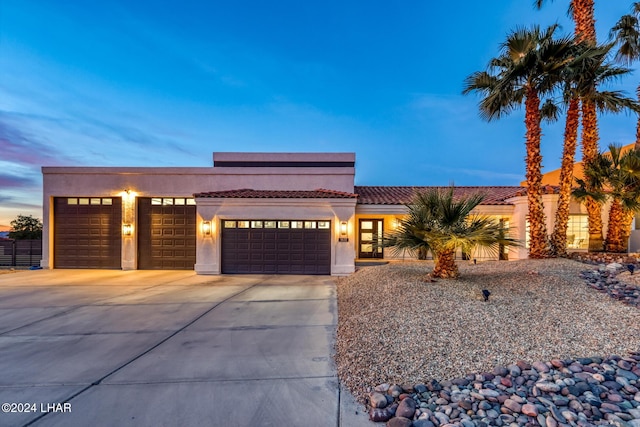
(87, 236)
(167, 235)
(270, 251)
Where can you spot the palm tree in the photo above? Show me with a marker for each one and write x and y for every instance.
(588, 66)
(614, 176)
(440, 223)
(529, 66)
(583, 14)
(626, 34)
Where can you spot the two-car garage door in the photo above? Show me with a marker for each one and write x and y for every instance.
(276, 247)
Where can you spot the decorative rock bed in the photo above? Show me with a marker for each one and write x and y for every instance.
(581, 392)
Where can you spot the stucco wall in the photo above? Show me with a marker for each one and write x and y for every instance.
(132, 182)
(208, 256)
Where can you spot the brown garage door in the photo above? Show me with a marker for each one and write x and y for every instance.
(166, 233)
(276, 247)
(87, 232)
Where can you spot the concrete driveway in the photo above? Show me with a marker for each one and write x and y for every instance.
(165, 348)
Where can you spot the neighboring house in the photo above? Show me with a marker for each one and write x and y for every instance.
(285, 213)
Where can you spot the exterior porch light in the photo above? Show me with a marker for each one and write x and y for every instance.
(206, 228)
(127, 229)
(343, 232)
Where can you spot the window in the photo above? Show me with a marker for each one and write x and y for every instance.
(90, 201)
(578, 232)
(298, 225)
(170, 201)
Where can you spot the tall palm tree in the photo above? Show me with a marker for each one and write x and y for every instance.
(626, 34)
(589, 65)
(529, 67)
(583, 14)
(614, 176)
(440, 223)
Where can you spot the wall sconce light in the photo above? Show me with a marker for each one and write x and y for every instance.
(206, 228)
(127, 229)
(343, 232)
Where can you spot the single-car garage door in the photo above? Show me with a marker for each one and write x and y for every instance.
(276, 247)
(166, 233)
(87, 232)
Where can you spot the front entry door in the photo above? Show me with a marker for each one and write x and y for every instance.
(370, 238)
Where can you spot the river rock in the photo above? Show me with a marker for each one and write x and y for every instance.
(548, 387)
(406, 408)
(377, 400)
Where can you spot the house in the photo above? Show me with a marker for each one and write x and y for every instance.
(285, 213)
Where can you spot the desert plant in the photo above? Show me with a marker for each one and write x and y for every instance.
(439, 223)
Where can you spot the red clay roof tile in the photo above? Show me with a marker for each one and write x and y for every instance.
(320, 193)
(392, 195)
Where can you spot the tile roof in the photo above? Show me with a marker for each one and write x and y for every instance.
(376, 195)
(245, 193)
(390, 195)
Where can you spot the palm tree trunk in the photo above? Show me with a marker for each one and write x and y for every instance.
(589, 152)
(626, 228)
(559, 236)
(537, 226)
(637, 146)
(583, 16)
(445, 265)
(614, 231)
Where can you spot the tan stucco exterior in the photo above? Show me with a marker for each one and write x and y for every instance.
(278, 172)
(130, 183)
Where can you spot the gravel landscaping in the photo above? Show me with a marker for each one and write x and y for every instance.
(395, 328)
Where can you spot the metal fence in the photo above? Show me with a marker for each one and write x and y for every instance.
(20, 253)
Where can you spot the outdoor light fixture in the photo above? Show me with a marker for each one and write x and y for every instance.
(343, 232)
(127, 229)
(206, 228)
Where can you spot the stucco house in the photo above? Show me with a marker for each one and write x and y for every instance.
(284, 213)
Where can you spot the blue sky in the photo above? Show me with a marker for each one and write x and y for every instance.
(166, 83)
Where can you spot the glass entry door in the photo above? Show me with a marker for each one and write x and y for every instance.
(370, 238)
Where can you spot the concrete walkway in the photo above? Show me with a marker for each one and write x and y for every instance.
(169, 348)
